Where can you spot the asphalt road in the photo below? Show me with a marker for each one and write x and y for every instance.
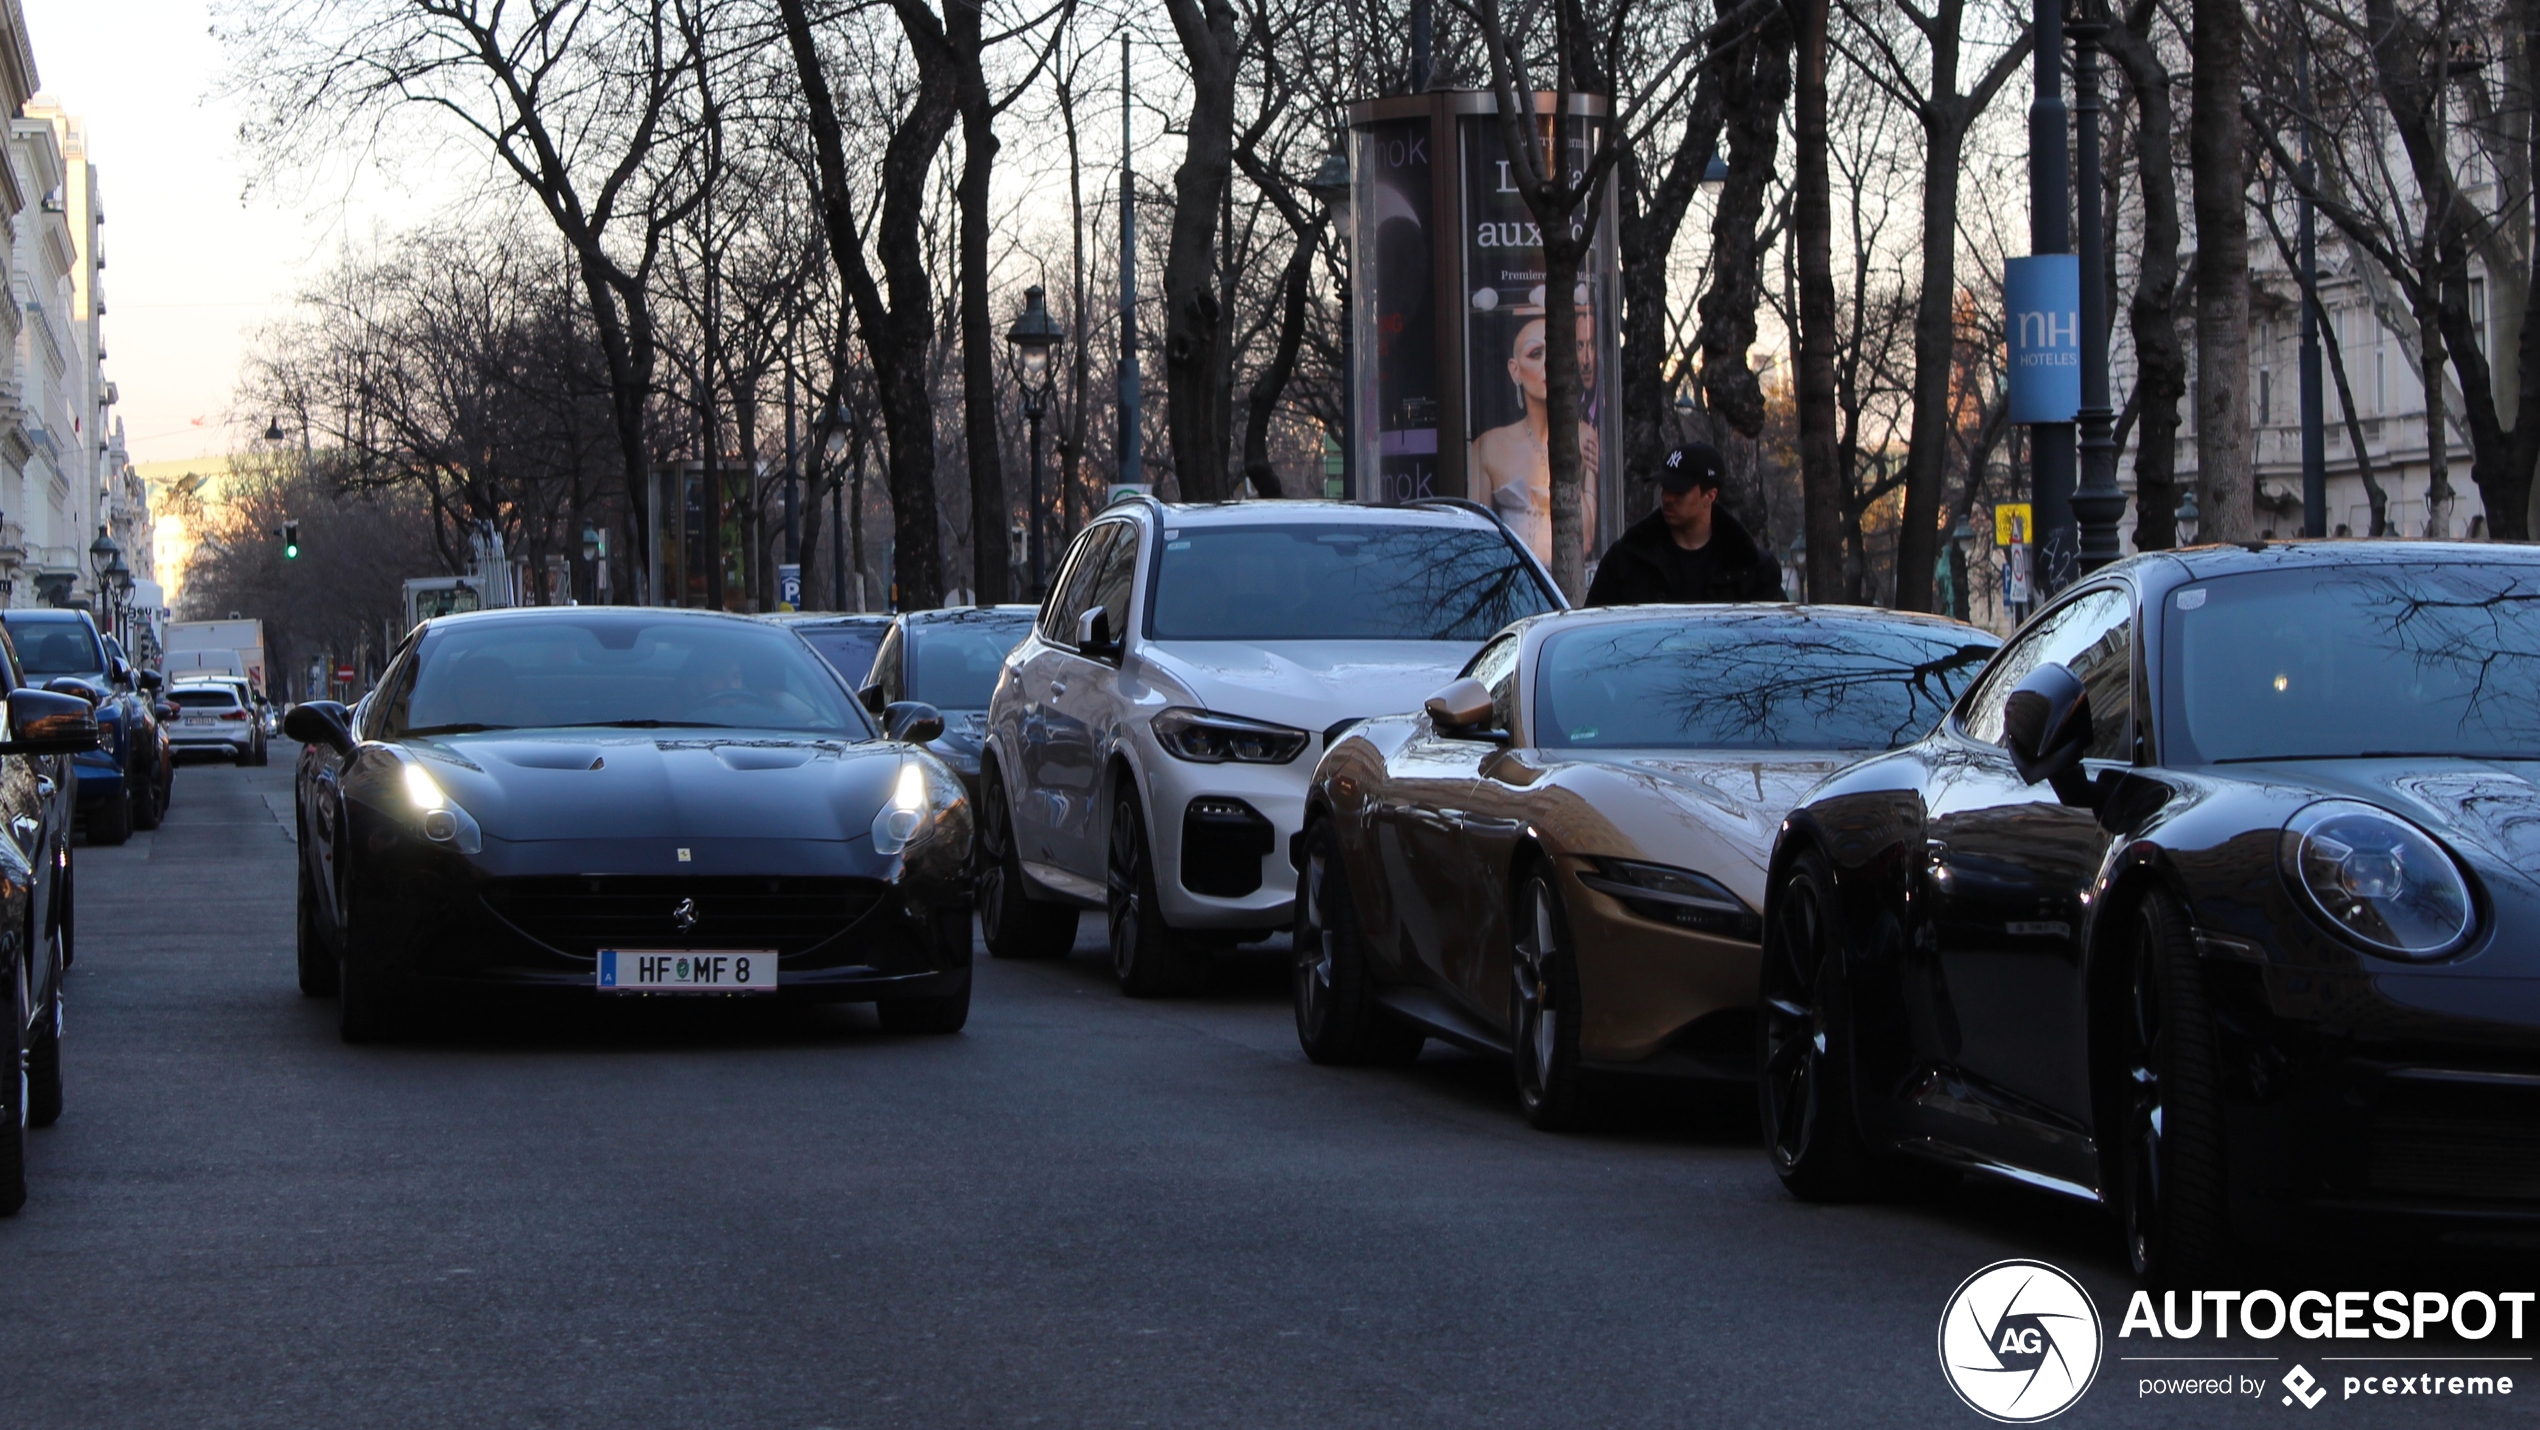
(1082, 1211)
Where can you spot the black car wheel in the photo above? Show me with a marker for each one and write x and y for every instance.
(936, 1013)
(1016, 924)
(1804, 1059)
(44, 1041)
(13, 1093)
(2176, 1224)
(1543, 1008)
(1147, 956)
(111, 821)
(257, 758)
(317, 965)
(1337, 1020)
(151, 807)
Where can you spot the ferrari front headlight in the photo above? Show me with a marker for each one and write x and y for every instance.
(2378, 879)
(920, 797)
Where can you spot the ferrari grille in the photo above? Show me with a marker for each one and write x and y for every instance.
(582, 914)
(2459, 1143)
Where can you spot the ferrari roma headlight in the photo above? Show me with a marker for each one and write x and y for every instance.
(1676, 896)
(2378, 879)
(919, 798)
(441, 820)
(1206, 738)
(423, 789)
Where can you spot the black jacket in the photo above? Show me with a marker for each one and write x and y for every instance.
(1634, 572)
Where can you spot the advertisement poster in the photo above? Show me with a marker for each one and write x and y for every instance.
(1508, 464)
(1397, 312)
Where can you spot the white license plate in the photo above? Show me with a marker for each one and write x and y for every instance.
(691, 970)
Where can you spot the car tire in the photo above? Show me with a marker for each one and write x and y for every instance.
(1015, 924)
(1338, 1022)
(318, 971)
(258, 758)
(44, 1051)
(1804, 1081)
(1543, 1007)
(13, 1093)
(2168, 1073)
(1147, 956)
(111, 823)
(368, 1008)
(935, 1014)
(152, 808)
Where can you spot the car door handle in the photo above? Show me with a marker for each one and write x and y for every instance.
(1058, 687)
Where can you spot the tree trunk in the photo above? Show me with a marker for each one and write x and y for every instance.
(988, 511)
(1194, 318)
(1754, 89)
(1812, 235)
(1652, 216)
(1273, 382)
(899, 333)
(2160, 363)
(2215, 143)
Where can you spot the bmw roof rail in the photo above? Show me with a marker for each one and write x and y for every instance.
(1150, 498)
(1468, 504)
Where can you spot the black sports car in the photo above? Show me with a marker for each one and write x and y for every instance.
(42, 733)
(627, 801)
(2215, 900)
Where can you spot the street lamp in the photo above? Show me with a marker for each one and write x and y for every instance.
(2097, 503)
(1715, 175)
(1962, 555)
(273, 430)
(1034, 336)
(2185, 516)
(1330, 187)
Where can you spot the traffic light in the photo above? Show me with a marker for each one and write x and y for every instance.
(291, 541)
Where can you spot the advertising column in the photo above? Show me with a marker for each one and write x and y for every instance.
(1396, 311)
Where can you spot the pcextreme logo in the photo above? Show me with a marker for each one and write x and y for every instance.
(2019, 1342)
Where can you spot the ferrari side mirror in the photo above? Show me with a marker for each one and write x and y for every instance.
(914, 721)
(318, 722)
(2046, 724)
(1462, 711)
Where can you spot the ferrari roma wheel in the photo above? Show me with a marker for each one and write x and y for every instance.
(1016, 924)
(2177, 1229)
(1337, 1020)
(44, 1045)
(1804, 1073)
(1147, 956)
(940, 1013)
(13, 1095)
(317, 966)
(1543, 1008)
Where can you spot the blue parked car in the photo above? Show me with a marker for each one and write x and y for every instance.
(121, 784)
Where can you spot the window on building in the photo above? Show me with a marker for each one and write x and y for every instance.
(2266, 395)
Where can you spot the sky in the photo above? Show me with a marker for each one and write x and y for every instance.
(195, 262)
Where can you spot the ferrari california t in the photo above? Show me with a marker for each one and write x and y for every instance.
(1562, 860)
(627, 802)
(2216, 901)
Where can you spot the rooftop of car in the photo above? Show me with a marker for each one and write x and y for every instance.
(1285, 513)
(39, 614)
(2196, 563)
(643, 613)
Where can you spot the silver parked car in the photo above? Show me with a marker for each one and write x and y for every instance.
(216, 717)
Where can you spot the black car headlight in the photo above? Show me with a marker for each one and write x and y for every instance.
(437, 815)
(921, 799)
(1681, 897)
(2378, 879)
(1210, 739)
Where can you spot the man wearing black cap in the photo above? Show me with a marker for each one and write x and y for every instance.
(1689, 549)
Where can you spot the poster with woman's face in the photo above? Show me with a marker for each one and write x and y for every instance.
(1508, 461)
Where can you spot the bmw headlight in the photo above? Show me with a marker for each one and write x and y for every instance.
(440, 819)
(1211, 739)
(920, 798)
(2378, 879)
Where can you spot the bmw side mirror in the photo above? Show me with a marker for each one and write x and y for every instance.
(319, 722)
(871, 698)
(1094, 638)
(914, 721)
(2046, 724)
(1462, 711)
(49, 722)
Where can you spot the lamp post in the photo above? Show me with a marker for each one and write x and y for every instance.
(2050, 231)
(841, 430)
(118, 584)
(2098, 505)
(1962, 565)
(103, 555)
(1034, 337)
(1330, 186)
(2186, 517)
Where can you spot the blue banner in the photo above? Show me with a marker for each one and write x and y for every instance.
(2042, 294)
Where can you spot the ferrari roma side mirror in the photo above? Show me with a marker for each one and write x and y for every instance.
(2046, 724)
(871, 696)
(912, 720)
(319, 722)
(1463, 710)
(48, 722)
(1094, 639)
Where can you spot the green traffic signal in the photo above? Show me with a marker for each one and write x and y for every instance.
(291, 541)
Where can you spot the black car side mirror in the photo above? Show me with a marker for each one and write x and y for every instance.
(117, 671)
(150, 680)
(1094, 639)
(73, 685)
(871, 697)
(1462, 711)
(49, 722)
(2046, 724)
(912, 720)
(319, 722)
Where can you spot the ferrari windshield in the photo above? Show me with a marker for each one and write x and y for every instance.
(636, 669)
(1762, 681)
(2382, 660)
(1402, 581)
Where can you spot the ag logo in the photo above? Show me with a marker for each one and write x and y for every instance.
(2019, 1341)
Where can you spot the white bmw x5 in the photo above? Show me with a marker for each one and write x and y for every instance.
(1149, 744)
